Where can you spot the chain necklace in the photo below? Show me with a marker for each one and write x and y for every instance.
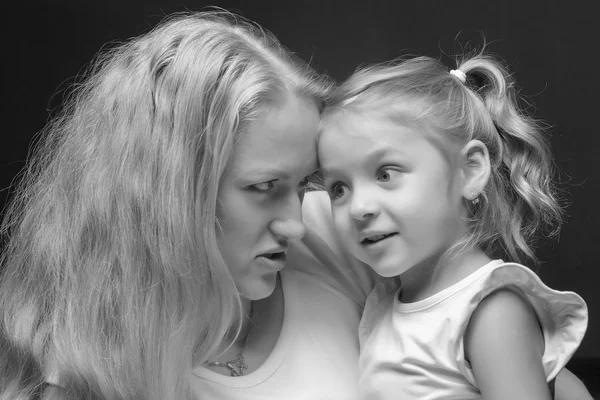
(237, 366)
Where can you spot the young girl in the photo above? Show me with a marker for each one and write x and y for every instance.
(431, 174)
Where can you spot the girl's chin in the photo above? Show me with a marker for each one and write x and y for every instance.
(388, 269)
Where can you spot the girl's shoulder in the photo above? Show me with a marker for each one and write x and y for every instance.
(506, 293)
(498, 275)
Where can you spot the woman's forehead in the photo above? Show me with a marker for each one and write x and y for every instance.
(282, 138)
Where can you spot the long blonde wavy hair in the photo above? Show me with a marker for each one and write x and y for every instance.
(111, 281)
(521, 202)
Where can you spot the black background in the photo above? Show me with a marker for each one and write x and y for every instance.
(551, 46)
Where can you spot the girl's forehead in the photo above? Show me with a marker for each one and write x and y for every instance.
(398, 107)
(384, 129)
(357, 122)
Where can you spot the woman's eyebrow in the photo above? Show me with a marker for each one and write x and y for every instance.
(261, 172)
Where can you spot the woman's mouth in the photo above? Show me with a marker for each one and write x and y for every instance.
(274, 256)
(273, 261)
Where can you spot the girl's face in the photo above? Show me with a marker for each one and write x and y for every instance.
(260, 195)
(395, 197)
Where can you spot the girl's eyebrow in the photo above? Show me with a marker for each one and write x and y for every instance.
(381, 152)
(371, 156)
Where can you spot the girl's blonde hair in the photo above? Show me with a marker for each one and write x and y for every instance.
(520, 200)
(111, 281)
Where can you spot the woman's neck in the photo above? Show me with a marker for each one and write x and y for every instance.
(259, 334)
(247, 315)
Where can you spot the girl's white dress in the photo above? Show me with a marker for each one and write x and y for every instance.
(416, 351)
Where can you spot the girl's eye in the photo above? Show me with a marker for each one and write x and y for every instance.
(263, 186)
(383, 176)
(336, 191)
(386, 174)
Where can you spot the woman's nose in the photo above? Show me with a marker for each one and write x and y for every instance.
(289, 221)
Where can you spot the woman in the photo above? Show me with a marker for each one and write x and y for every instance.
(146, 242)
(121, 269)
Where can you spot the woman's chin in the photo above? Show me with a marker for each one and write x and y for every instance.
(258, 287)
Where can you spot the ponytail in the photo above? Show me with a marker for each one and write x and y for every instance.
(521, 189)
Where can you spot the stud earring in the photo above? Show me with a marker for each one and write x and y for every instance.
(475, 199)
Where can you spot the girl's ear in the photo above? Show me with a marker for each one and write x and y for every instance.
(476, 169)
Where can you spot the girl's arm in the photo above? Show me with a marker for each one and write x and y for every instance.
(569, 387)
(504, 344)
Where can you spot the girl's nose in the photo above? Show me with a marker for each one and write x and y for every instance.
(363, 205)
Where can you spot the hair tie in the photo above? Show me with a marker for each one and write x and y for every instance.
(459, 74)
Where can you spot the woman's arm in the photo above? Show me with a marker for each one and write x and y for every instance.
(504, 344)
(569, 387)
(349, 274)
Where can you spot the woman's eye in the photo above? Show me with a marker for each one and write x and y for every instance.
(336, 191)
(263, 186)
(303, 183)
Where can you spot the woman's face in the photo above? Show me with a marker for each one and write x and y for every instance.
(261, 192)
